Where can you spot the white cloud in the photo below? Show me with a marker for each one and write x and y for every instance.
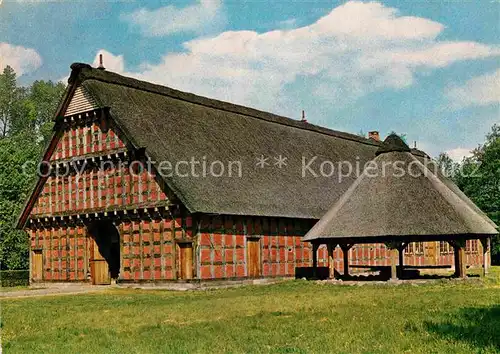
(287, 24)
(22, 60)
(479, 91)
(458, 154)
(170, 19)
(356, 49)
(111, 62)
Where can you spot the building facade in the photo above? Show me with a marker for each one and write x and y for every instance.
(100, 210)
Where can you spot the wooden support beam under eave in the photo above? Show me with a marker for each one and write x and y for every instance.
(394, 263)
(460, 262)
(486, 243)
(331, 261)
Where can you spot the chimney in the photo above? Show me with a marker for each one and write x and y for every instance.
(303, 119)
(374, 135)
(101, 66)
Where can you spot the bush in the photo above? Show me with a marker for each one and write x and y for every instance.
(14, 278)
(495, 250)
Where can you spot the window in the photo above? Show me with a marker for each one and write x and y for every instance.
(474, 246)
(471, 246)
(445, 248)
(415, 248)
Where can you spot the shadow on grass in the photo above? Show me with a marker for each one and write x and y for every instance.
(377, 273)
(478, 327)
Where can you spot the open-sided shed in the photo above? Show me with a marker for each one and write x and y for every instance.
(397, 200)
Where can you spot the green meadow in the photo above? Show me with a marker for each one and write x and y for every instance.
(444, 316)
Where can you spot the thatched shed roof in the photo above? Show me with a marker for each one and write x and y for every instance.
(176, 126)
(433, 166)
(400, 197)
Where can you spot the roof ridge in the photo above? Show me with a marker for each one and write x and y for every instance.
(82, 72)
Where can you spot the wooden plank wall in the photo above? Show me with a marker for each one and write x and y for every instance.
(80, 102)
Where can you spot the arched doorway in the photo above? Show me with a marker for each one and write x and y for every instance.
(104, 251)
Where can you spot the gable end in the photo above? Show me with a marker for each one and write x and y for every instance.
(81, 102)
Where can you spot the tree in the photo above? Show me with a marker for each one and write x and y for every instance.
(25, 125)
(14, 188)
(44, 98)
(8, 99)
(479, 179)
(35, 109)
(447, 166)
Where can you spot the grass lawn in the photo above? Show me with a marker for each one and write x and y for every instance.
(13, 288)
(291, 317)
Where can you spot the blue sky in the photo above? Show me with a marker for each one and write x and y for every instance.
(427, 69)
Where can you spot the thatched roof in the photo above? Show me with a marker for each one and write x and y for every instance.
(176, 126)
(385, 202)
(433, 166)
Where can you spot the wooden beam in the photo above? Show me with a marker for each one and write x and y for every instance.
(331, 265)
(486, 242)
(401, 262)
(345, 253)
(460, 265)
(394, 260)
(315, 247)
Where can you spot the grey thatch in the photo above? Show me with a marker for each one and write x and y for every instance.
(433, 166)
(393, 143)
(177, 126)
(384, 202)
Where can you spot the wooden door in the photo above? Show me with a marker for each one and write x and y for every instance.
(99, 267)
(430, 253)
(253, 257)
(186, 260)
(37, 265)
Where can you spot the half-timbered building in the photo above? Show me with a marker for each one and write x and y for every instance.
(144, 183)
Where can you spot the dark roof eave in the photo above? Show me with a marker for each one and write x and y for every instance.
(394, 238)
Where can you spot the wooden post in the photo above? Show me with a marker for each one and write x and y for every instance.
(460, 265)
(395, 257)
(331, 265)
(394, 260)
(315, 247)
(401, 259)
(455, 258)
(345, 253)
(486, 242)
